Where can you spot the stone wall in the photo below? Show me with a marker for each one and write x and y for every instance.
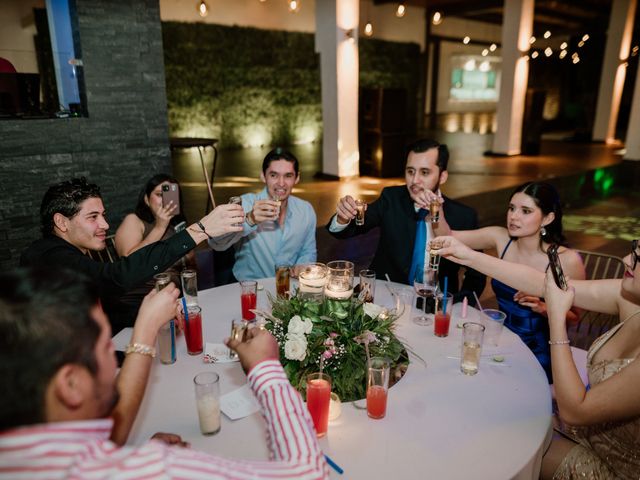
(122, 142)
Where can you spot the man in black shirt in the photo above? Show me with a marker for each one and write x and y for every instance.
(73, 222)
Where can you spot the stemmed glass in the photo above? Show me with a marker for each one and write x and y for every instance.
(425, 283)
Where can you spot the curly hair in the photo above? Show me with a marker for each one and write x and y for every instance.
(65, 198)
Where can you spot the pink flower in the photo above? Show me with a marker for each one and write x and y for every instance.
(327, 354)
(328, 342)
(333, 334)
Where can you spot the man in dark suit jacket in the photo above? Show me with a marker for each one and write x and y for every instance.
(395, 212)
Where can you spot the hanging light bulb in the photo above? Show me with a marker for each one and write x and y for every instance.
(466, 40)
(368, 29)
(203, 9)
(547, 34)
(563, 54)
(563, 46)
(401, 10)
(534, 55)
(437, 18)
(548, 51)
(485, 52)
(294, 6)
(492, 47)
(585, 37)
(532, 40)
(581, 44)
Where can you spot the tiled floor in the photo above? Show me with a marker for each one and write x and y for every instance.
(604, 225)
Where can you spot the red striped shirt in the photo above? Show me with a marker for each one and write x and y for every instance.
(83, 450)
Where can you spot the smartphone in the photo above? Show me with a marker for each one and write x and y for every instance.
(171, 193)
(556, 267)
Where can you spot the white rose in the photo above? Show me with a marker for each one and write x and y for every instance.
(296, 325)
(308, 326)
(372, 310)
(295, 348)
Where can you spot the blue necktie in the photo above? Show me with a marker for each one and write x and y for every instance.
(417, 261)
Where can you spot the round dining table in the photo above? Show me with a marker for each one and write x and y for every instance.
(440, 423)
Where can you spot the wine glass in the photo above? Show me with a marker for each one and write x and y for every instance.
(425, 283)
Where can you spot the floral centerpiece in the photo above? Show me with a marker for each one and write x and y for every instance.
(337, 334)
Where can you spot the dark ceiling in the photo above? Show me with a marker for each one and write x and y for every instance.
(560, 16)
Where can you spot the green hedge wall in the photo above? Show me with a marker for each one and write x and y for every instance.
(250, 87)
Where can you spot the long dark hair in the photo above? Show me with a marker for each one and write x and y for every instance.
(547, 200)
(143, 211)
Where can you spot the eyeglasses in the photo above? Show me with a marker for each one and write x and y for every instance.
(635, 253)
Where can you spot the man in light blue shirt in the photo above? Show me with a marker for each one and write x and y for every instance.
(279, 229)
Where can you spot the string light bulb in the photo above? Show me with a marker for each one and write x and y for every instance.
(534, 55)
(466, 40)
(563, 54)
(294, 6)
(492, 47)
(585, 37)
(437, 18)
(532, 40)
(563, 46)
(548, 52)
(401, 10)
(368, 29)
(203, 8)
(547, 34)
(581, 44)
(485, 52)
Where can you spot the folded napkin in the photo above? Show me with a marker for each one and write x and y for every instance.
(217, 353)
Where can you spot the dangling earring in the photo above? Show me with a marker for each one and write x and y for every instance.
(543, 231)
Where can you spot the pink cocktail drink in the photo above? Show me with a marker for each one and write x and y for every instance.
(248, 301)
(318, 397)
(441, 324)
(193, 331)
(376, 401)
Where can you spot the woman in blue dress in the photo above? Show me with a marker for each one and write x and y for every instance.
(534, 221)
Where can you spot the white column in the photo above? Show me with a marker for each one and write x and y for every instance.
(337, 44)
(613, 70)
(517, 25)
(633, 139)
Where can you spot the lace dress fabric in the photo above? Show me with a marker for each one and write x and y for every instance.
(607, 450)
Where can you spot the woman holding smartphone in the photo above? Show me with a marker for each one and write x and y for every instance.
(154, 217)
(534, 222)
(602, 423)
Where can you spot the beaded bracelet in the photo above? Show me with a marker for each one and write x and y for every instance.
(140, 348)
(201, 226)
(559, 342)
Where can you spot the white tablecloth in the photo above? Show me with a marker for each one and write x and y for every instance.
(440, 424)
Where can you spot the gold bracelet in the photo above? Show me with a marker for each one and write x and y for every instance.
(559, 342)
(140, 348)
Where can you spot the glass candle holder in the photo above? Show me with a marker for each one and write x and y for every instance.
(340, 280)
(312, 280)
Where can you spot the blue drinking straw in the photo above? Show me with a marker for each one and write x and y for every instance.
(333, 465)
(444, 296)
(186, 310)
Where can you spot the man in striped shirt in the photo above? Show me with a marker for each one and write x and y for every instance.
(57, 378)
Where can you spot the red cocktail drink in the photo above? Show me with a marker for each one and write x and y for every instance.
(318, 396)
(193, 331)
(248, 301)
(441, 324)
(376, 401)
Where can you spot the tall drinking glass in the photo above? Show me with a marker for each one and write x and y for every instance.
(193, 329)
(425, 283)
(377, 387)
(189, 279)
(360, 209)
(283, 274)
(472, 334)
(208, 402)
(318, 398)
(236, 201)
(248, 299)
(367, 285)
